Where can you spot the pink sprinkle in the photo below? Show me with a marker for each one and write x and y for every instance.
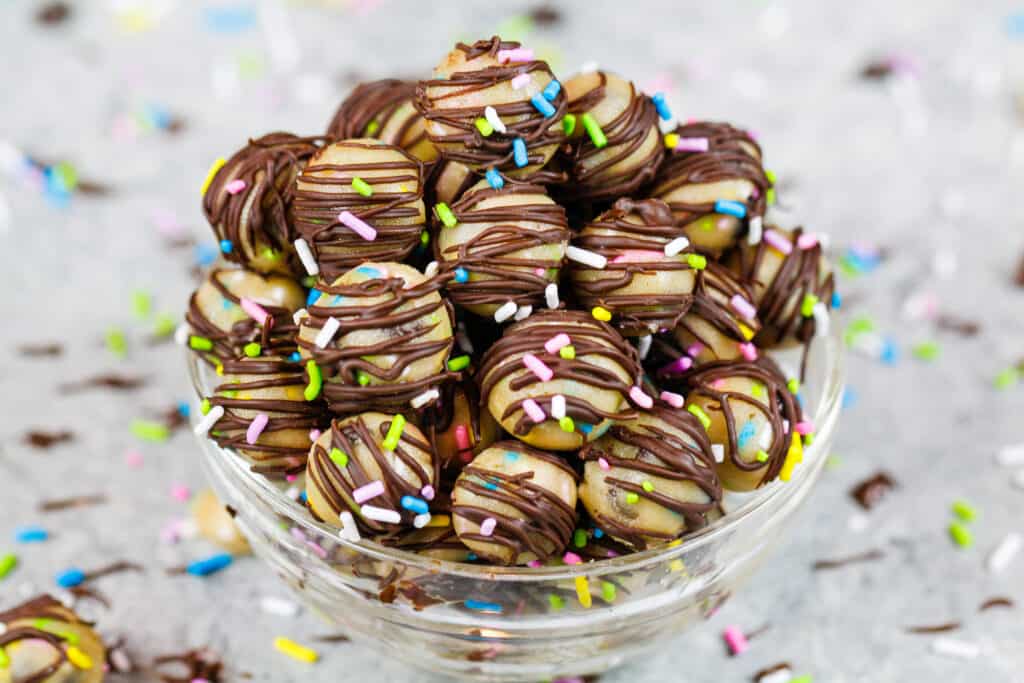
(358, 226)
(681, 364)
(298, 534)
(180, 492)
(640, 398)
(612, 553)
(694, 349)
(533, 564)
(692, 145)
(754, 135)
(133, 458)
(672, 398)
(520, 81)
(371, 490)
(535, 412)
(290, 478)
(748, 351)
(537, 367)
(235, 186)
(718, 384)
(556, 343)
(735, 639)
(603, 464)
(571, 558)
(316, 548)
(200, 680)
(774, 238)
(743, 307)
(256, 312)
(167, 223)
(462, 438)
(804, 427)
(170, 533)
(638, 256)
(256, 428)
(428, 492)
(314, 434)
(487, 526)
(807, 241)
(519, 54)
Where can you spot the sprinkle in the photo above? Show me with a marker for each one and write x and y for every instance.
(424, 398)
(357, 225)
(487, 526)
(673, 399)
(523, 312)
(78, 659)
(632, 498)
(538, 367)
(306, 256)
(675, 246)
(804, 427)
(31, 534)
(558, 406)
(458, 363)
(327, 332)
(69, 578)
(735, 639)
(210, 419)
(312, 389)
(278, 606)
(414, 504)
(670, 140)
(210, 565)
(541, 104)
(380, 514)
(806, 241)
(438, 521)
(756, 232)
(641, 398)
(643, 346)
(7, 564)
(603, 464)
(807, 305)
(505, 311)
(372, 490)
(964, 510)
(551, 295)
(534, 411)
(217, 165)
(762, 456)
(338, 457)
(608, 591)
(777, 241)
(252, 349)
(519, 155)
(821, 319)
(601, 313)
(594, 130)
(718, 451)
(421, 520)
(681, 364)
(793, 385)
(927, 351)
(180, 493)
(567, 424)
(731, 208)
(571, 558)
(560, 340)
(647, 486)
(494, 179)
(748, 351)
(294, 650)
(699, 413)
(961, 535)
(659, 103)
(199, 343)
(1000, 558)
(691, 145)
(349, 530)
(696, 261)
(520, 81)
(462, 438)
(235, 186)
(1006, 378)
(743, 307)
(519, 54)
(569, 124)
(952, 647)
(226, 246)
(1011, 456)
(362, 187)
(481, 606)
(391, 439)
(491, 114)
(428, 492)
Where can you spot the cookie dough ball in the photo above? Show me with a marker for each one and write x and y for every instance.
(722, 320)
(643, 287)
(224, 327)
(472, 78)
(508, 244)
(359, 200)
(652, 479)
(713, 162)
(792, 282)
(369, 463)
(391, 340)
(45, 642)
(248, 200)
(457, 426)
(514, 504)
(384, 110)
(563, 398)
(625, 153)
(266, 418)
(215, 522)
(749, 411)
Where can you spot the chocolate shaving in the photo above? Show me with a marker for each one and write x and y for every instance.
(173, 419)
(1018, 279)
(53, 13)
(42, 439)
(937, 628)
(757, 632)
(961, 326)
(870, 492)
(769, 670)
(203, 664)
(41, 350)
(84, 592)
(869, 556)
(175, 125)
(998, 601)
(545, 15)
(93, 188)
(112, 381)
(114, 568)
(231, 511)
(332, 638)
(57, 504)
(876, 70)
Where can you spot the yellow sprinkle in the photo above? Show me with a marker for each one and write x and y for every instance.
(217, 165)
(671, 140)
(675, 544)
(748, 333)
(793, 456)
(294, 650)
(78, 658)
(583, 591)
(439, 521)
(677, 566)
(601, 313)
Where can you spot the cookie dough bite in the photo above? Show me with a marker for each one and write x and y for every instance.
(384, 110)
(558, 379)
(749, 411)
(265, 415)
(248, 199)
(792, 282)
(359, 200)
(651, 479)
(457, 426)
(376, 466)
(616, 142)
(636, 266)
(492, 105)
(229, 311)
(380, 336)
(515, 504)
(215, 522)
(45, 642)
(501, 244)
(722, 320)
(714, 183)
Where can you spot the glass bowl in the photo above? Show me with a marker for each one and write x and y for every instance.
(519, 623)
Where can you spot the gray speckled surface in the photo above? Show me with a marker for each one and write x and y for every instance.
(922, 169)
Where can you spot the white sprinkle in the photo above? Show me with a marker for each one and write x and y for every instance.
(587, 258)
(780, 676)
(551, 295)
(756, 231)
(181, 334)
(491, 114)
(506, 311)
(210, 419)
(293, 492)
(431, 269)
(462, 338)
(3, 628)
(420, 521)
(327, 332)
(425, 398)
(785, 426)
(306, 256)
(524, 312)
(1011, 456)
(667, 126)
(65, 597)
(298, 315)
(675, 246)
(718, 450)
(558, 406)
(120, 661)
(644, 345)
(589, 67)
(857, 523)
(278, 606)
(380, 514)
(1004, 553)
(349, 530)
(951, 647)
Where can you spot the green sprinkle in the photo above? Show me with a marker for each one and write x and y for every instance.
(569, 124)
(147, 430)
(833, 461)
(204, 406)
(199, 343)
(567, 424)
(770, 175)
(308, 281)
(49, 626)
(312, 389)
(1006, 378)
(808, 439)
(142, 303)
(964, 510)
(608, 591)
(390, 442)
(7, 564)
(579, 538)
(928, 351)
(271, 254)
(424, 238)
(568, 352)
(961, 535)
(647, 486)
(757, 390)
(857, 327)
(632, 498)
(594, 131)
(362, 187)
(807, 305)
(770, 196)
(458, 363)
(556, 601)
(252, 349)
(801, 679)
(762, 456)
(372, 127)
(484, 126)
(362, 378)
(793, 385)
(164, 325)
(116, 342)
(696, 261)
(338, 457)
(699, 413)
(446, 215)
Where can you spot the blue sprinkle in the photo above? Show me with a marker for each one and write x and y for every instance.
(837, 301)
(31, 534)
(183, 409)
(519, 152)
(490, 486)
(731, 208)
(890, 354)
(302, 497)
(598, 533)
(226, 246)
(414, 504)
(229, 19)
(461, 275)
(158, 116)
(369, 271)
(338, 298)
(1015, 24)
(205, 254)
(584, 427)
(511, 456)
(210, 565)
(659, 103)
(295, 356)
(746, 434)
(69, 578)
(482, 606)
(551, 90)
(542, 105)
(495, 179)
(314, 294)
(471, 557)
(601, 428)
(226, 304)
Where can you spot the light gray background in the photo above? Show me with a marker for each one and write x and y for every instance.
(922, 169)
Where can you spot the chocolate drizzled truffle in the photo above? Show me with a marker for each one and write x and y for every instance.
(384, 110)
(528, 104)
(714, 183)
(506, 244)
(45, 642)
(651, 479)
(557, 379)
(392, 333)
(748, 409)
(359, 200)
(248, 200)
(616, 143)
(457, 426)
(514, 504)
(367, 463)
(645, 274)
(722, 320)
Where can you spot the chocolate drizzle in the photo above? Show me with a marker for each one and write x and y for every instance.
(712, 293)
(41, 609)
(370, 110)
